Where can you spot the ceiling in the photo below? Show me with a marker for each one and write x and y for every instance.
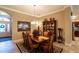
(75, 11)
(35, 10)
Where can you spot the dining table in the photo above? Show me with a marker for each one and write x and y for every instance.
(40, 39)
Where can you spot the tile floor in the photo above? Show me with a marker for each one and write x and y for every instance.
(8, 47)
(73, 48)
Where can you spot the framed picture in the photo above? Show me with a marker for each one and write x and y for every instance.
(23, 26)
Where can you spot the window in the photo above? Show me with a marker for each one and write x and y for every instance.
(8, 27)
(4, 22)
(4, 16)
(2, 27)
(4, 19)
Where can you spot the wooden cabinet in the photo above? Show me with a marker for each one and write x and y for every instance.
(50, 26)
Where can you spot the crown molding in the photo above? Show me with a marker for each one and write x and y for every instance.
(34, 15)
(14, 10)
(56, 11)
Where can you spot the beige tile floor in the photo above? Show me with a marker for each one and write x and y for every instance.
(73, 48)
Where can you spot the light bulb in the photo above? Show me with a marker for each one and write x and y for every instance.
(73, 17)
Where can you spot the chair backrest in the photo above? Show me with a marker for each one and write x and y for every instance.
(29, 41)
(24, 36)
(46, 34)
(35, 33)
(26, 39)
(51, 44)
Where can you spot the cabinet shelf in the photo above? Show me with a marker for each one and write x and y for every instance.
(50, 26)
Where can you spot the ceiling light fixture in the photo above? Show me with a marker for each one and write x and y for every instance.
(73, 17)
(34, 21)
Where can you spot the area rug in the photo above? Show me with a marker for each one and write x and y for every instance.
(24, 49)
(21, 48)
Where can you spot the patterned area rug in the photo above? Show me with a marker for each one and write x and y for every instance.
(23, 49)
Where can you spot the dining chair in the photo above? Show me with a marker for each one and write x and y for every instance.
(32, 46)
(51, 44)
(24, 38)
(35, 33)
(45, 46)
(27, 40)
(45, 34)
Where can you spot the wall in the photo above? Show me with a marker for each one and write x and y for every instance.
(68, 26)
(59, 16)
(17, 17)
(63, 19)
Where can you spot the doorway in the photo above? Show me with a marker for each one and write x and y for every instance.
(5, 27)
(75, 28)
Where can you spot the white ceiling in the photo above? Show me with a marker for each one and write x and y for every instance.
(75, 11)
(40, 10)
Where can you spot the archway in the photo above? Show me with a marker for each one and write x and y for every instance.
(5, 26)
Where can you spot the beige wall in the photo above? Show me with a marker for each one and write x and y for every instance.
(17, 17)
(59, 16)
(63, 21)
(68, 26)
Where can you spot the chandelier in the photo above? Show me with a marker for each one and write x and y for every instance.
(35, 21)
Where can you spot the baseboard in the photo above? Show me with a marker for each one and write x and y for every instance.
(6, 37)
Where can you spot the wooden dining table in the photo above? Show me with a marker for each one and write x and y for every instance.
(40, 39)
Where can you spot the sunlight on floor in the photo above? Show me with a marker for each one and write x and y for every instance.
(8, 47)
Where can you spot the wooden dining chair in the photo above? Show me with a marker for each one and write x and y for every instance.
(47, 46)
(27, 40)
(51, 44)
(24, 38)
(32, 46)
